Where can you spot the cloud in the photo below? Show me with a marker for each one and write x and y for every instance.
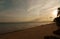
(27, 9)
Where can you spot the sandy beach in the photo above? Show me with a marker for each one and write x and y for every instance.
(32, 33)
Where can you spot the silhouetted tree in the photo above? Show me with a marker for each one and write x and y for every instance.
(57, 21)
(58, 14)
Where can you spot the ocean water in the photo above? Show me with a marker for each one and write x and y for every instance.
(10, 27)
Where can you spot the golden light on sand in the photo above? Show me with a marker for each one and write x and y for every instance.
(55, 13)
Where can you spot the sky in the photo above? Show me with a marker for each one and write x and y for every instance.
(27, 10)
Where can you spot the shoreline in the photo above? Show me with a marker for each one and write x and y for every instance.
(32, 33)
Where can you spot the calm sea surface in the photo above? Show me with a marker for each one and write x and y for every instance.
(9, 27)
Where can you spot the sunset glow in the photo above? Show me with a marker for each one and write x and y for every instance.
(55, 13)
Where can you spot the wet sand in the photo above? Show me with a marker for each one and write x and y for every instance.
(32, 33)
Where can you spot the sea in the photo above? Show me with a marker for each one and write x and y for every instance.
(10, 27)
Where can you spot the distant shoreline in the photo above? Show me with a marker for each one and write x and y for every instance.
(27, 22)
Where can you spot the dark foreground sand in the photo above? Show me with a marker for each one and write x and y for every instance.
(32, 33)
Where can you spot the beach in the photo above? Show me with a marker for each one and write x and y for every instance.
(37, 32)
(15, 26)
